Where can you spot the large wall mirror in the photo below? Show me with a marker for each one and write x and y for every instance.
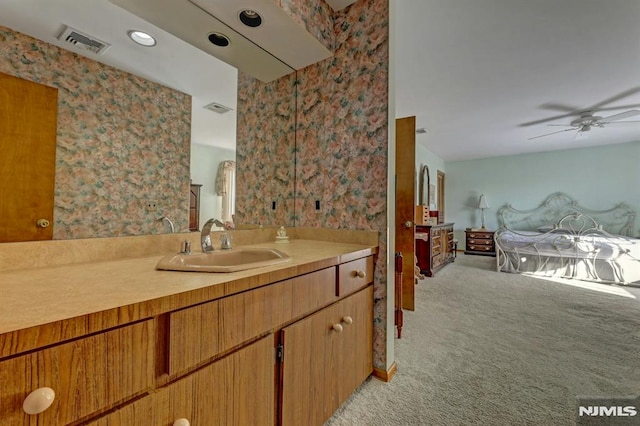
(147, 167)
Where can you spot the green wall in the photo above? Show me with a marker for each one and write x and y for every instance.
(204, 166)
(598, 178)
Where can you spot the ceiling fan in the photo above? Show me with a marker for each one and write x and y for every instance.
(587, 120)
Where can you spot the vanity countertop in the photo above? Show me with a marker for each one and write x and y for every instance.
(66, 301)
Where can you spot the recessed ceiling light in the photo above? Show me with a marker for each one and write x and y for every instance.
(219, 39)
(250, 18)
(142, 38)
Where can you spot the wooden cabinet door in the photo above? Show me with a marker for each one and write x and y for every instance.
(321, 366)
(355, 354)
(304, 371)
(236, 390)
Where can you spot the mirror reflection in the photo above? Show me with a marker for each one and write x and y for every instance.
(131, 148)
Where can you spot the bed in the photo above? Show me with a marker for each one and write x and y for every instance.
(564, 240)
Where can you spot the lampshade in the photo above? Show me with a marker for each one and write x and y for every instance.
(482, 203)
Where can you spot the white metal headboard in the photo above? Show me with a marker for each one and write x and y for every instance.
(617, 220)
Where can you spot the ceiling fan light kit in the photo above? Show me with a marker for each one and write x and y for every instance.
(587, 120)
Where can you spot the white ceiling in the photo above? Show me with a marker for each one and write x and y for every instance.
(471, 71)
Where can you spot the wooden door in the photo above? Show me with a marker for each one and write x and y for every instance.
(28, 121)
(405, 204)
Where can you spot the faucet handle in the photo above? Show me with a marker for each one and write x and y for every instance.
(185, 247)
(225, 241)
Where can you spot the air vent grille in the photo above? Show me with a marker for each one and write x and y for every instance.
(216, 107)
(82, 40)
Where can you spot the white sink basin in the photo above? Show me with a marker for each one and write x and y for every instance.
(233, 260)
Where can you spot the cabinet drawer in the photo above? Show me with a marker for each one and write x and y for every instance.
(215, 327)
(87, 375)
(354, 275)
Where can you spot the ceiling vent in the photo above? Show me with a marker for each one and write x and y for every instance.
(216, 107)
(82, 40)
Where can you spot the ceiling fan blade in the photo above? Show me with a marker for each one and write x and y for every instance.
(549, 134)
(544, 120)
(618, 122)
(617, 97)
(560, 107)
(619, 107)
(562, 125)
(620, 116)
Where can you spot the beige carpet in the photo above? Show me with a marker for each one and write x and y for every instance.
(488, 348)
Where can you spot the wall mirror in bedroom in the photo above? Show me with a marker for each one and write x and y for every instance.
(127, 146)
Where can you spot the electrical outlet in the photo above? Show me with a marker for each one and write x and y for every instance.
(152, 205)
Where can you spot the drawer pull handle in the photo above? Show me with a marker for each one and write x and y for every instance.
(347, 320)
(337, 328)
(181, 422)
(38, 400)
(360, 274)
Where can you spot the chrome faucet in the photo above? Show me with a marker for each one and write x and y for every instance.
(205, 235)
(169, 224)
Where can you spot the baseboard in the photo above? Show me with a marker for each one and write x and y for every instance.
(385, 375)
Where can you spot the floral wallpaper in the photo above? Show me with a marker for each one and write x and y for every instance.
(265, 151)
(122, 141)
(315, 16)
(341, 140)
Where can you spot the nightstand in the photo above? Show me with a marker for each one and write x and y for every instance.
(480, 241)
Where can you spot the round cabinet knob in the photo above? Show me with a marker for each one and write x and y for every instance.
(347, 320)
(408, 224)
(360, 274)
(38, 401)
(43, 223)
(337, 328)
(181, 422)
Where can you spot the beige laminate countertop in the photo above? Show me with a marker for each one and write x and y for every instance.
(68, 301)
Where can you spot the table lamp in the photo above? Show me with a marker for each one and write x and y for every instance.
(482, 204)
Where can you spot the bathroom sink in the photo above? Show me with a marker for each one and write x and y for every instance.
(234, 260)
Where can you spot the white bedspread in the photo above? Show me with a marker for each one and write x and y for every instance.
(593, 256)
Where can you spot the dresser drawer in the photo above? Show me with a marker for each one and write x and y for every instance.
(480, 247)
(87, 375)
(480, 235)
(214, 327)
(354, 275)
(479, 241)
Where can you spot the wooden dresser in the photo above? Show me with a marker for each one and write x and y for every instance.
(434, 247)
(480, 242)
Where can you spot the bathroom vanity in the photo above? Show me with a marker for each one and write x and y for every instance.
(117, 342)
